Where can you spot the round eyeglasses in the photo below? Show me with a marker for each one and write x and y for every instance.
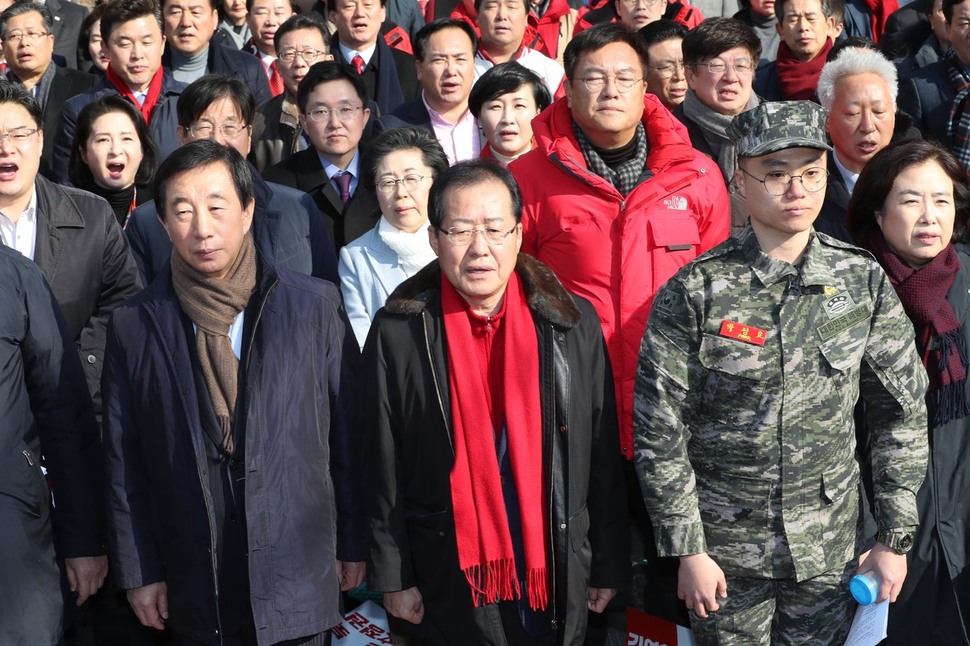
(777, 182)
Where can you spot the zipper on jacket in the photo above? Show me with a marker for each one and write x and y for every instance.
(205, 488)
(437, 384)
(30, 460)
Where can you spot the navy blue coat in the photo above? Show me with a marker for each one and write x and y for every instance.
(163, 125)
(288, 229)
(927, 96)
(226, 59)
(301, 458)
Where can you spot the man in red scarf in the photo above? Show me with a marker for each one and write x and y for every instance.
(494, 485)
(133, 37)
(807, 30)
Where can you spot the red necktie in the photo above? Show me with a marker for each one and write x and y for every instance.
(359, 64)
(275, 80)
(343, 182)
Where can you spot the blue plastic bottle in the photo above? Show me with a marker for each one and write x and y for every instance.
(864, 588)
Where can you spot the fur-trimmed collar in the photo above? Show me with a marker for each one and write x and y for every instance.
(546, 296)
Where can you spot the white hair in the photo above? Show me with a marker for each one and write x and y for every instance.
(850, 62)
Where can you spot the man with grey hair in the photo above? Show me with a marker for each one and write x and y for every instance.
(27, 35)
(859, 90)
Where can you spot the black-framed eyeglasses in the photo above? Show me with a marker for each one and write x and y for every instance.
(322, 115)
(777, 182)
(409, 182)
(463, 237)
(596, 82)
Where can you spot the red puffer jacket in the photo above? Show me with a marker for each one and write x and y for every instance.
(615, 251)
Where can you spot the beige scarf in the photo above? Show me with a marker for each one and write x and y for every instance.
(213, 304)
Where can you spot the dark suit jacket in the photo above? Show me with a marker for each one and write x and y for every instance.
(232, 62)
(287, 229)
(927, 97)
(68, 17)
(273, 136)
(394, 84)
(163, 125)
(67, 83)
(85, 258)
(304, 172)
(832, 218)
(412, 113)
(928, 53)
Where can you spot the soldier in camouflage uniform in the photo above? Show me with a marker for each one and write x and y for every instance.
(753, 360)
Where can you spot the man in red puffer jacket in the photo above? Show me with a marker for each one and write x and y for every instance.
(615, 201)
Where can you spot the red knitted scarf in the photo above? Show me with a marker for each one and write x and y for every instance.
(484, 543)
(939, 339)
(154, 91)
(798, 81)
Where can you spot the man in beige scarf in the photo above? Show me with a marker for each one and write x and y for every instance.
(234, 512)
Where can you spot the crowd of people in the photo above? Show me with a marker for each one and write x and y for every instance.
(510, 315)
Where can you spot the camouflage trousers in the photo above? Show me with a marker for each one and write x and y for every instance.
(760, 612)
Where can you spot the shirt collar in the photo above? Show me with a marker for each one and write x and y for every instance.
(331, 169)
(848, 176)
(437, 119)
(814, 269)
(349, 54)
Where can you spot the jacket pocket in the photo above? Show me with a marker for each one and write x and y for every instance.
(674, 242)
(22, 480)
(434, 551)
(737, 374)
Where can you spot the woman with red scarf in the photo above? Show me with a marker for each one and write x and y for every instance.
(910, 209)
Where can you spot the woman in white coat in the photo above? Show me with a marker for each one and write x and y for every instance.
(400, 166)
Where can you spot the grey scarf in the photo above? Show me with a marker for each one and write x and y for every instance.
(714, 126)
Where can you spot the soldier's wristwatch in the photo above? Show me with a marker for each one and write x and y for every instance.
(898, 541)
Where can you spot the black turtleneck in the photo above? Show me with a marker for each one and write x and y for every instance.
(120, 200)
(616, 156)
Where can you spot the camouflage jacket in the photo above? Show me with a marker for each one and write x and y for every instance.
(748, 375)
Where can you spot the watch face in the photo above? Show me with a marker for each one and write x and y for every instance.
(905, 542)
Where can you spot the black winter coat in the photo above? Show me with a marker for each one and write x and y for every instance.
(934, 604)
(407, 429)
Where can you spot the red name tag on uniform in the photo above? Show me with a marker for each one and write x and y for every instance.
(742, 332)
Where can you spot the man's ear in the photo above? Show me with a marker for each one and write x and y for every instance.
(738, 182)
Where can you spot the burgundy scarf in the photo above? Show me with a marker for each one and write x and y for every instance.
(939, 338)
(481, 525)
(798, 81)
(154, 91)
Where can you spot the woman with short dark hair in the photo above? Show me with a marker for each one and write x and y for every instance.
(910, 208)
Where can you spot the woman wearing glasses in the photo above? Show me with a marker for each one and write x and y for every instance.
(720, 56)
(909, 208)
(400, 166)
(113, 155)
